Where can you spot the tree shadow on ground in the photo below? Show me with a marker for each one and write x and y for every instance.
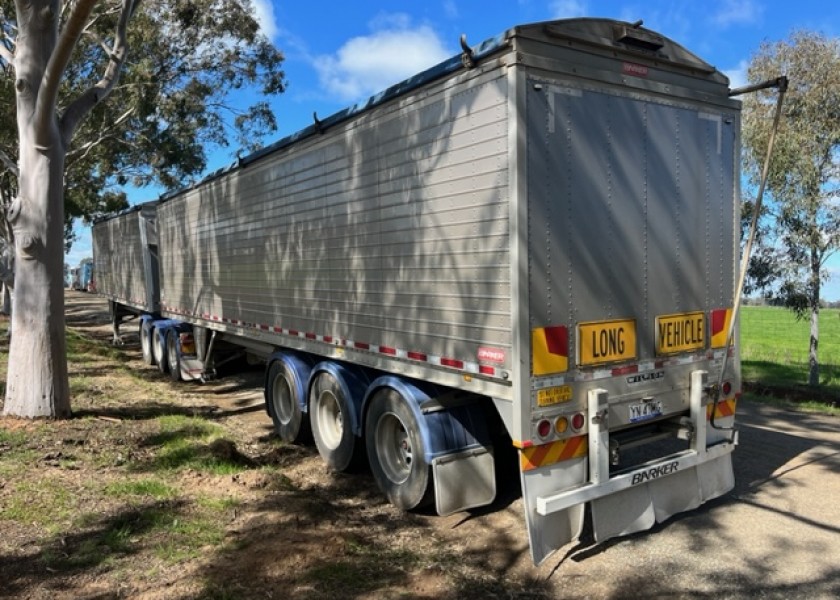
(145, 411)
(335, 535)
(90, 547)
(339, 538)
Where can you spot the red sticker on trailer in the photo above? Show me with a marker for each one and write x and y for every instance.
(634, 69)
(493, 355)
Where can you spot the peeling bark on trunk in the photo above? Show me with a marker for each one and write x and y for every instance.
(37, 382)
(813, 360)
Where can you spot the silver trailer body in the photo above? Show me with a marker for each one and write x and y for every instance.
(125, 258)
(553, 225)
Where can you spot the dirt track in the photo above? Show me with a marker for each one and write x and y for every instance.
(776, 535)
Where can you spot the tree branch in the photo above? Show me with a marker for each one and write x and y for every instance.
(6, 55)
(82, 105)
(45, 106)
(85, 149)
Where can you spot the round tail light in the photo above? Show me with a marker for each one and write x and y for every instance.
(544, 428)
(578, 421)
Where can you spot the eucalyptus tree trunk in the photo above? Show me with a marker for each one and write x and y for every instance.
(813, 345)
(37, 383)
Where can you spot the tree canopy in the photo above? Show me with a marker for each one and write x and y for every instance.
(801, 228)
(108, 92)
(198, 76)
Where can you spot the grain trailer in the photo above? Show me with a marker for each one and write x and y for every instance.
(541, 232)
(125, 260)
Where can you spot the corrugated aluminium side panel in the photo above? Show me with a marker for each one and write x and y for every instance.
(630, 208)
(149, 245)
(391, 230)
(118, 260)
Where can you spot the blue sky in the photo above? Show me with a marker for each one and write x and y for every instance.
(338, 53)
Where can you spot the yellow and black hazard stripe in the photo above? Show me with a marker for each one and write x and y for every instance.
(535, 457)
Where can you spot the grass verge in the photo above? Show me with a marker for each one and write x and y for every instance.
(774, 359)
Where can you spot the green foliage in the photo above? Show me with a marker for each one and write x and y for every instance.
(190, 63)
(80, 347)
(803, 229)
(195, 444)
(12, 439)
(774, 334)
(802, 225)
(173, 529)
(48, 502)
(141, 488)
(15, 454)
(774, 354)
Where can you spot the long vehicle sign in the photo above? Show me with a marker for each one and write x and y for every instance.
(606, 342)
(683, 332)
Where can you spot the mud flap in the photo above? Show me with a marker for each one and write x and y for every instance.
(638, 508)
(191, 367)
(716, 477)
(551, 531)
(463, 481)
(668, 488)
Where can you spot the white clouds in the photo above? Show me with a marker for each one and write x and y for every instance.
(738, 12)
(368, 64)
(567, 9)
(264, 13)
(738, 75)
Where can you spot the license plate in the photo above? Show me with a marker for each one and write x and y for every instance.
(643, 411)
(554, 395)
(683, 332)
(604, 342)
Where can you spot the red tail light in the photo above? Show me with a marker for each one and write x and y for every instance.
(187, 343)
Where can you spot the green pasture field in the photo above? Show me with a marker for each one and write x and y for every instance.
(774, 351)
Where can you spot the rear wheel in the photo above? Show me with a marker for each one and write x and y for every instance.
(173, 359)
(159, 350)
(331, 417)
(146, 344)
(281, 394)
(396, 453)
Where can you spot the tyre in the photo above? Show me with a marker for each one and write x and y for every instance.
(331, 416)
(281, 394)
(146, 344)
(159, 350)
(173, 359)
(396, 453)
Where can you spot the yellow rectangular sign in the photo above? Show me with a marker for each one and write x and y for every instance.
(554, 395)
(604, 342)
(683, 332)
